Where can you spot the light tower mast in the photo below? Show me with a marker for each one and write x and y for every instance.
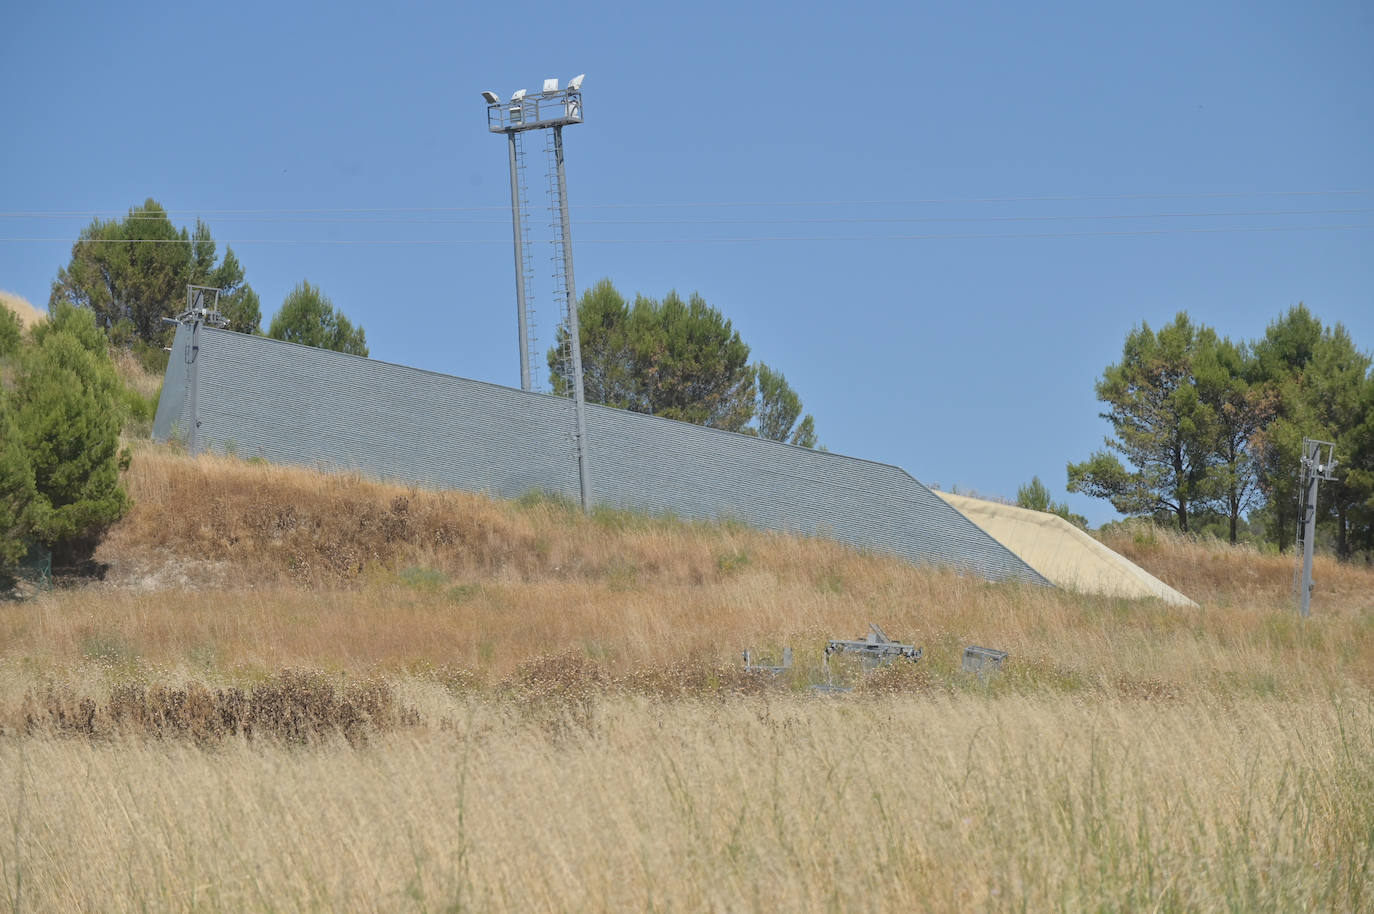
(552, 109)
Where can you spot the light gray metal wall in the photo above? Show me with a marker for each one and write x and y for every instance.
(296, 404)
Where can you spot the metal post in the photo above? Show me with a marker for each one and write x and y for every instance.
(1318, 463)
(519, 268)
(193, 363)
(1309, 536)
(574, 335)
(1311, 453)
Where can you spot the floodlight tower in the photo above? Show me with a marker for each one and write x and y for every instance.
(1318, 463)
(551, 109)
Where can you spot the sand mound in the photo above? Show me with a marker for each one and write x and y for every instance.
(1062, 553)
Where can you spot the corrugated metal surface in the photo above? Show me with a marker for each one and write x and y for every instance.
(296, 404)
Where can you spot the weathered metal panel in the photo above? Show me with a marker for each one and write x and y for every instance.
(296, 404)
(172, 402)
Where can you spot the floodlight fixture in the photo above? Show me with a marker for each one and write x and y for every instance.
(550, 86)
(519, 94)
(491, 98)
(576, 82)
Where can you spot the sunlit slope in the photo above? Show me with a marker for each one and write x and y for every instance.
(1062, 553)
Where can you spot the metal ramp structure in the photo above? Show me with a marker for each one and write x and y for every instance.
(293, 404)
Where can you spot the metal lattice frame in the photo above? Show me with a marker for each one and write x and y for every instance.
(552, 109)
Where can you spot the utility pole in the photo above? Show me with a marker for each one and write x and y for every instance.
(202, 307)
(1318, 463)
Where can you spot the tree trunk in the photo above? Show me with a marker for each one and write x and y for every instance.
(1182, 512)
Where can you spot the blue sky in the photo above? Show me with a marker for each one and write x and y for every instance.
(1000, 191)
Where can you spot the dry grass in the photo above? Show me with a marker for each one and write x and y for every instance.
(1026, 803)
(135, 376)
(1218, 573)
(517, 707)
(294, 706)
(27, 313)
(273, 567)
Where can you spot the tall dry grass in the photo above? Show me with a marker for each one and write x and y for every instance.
(227, 565)
(303, 691)
(946, 804)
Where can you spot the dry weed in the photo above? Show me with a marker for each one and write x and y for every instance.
(294, 706)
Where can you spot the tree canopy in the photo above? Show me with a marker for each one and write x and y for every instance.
(308, 317)
(133, 272)
(11, 331)
(1213, 429)
(1160, 424)
(681, 359)
(778, 409)
(16, 489)
(1320, 388)
(60, 415)
(1035, 496)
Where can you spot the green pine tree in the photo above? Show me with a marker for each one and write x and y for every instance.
(308, 317)
(16, 490)
(133, 272)
(11, 332)
(1160, 424)
(778, 409)
(68, 418)
(673, 358)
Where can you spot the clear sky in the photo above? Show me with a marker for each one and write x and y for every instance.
(939, 220)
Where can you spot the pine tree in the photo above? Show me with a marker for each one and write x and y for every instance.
(677, 359)
(1160, 424)
(133, 272)
(16, 490)
(778, 408)
(308, 317)
(68, 419)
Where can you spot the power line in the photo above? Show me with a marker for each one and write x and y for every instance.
(1030, 199)
(975, 236)
(830, 220)
(844, 220)
(735, 240)
(1049, 198)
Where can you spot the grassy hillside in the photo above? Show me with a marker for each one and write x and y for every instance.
(306, 691)
(358, 575)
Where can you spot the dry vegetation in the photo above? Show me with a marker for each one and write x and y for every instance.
(27, 313)
(304, 691)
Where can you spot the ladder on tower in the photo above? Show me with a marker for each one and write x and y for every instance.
(558, 261)
(527, 263)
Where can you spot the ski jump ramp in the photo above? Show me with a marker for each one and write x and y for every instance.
(259, 397)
